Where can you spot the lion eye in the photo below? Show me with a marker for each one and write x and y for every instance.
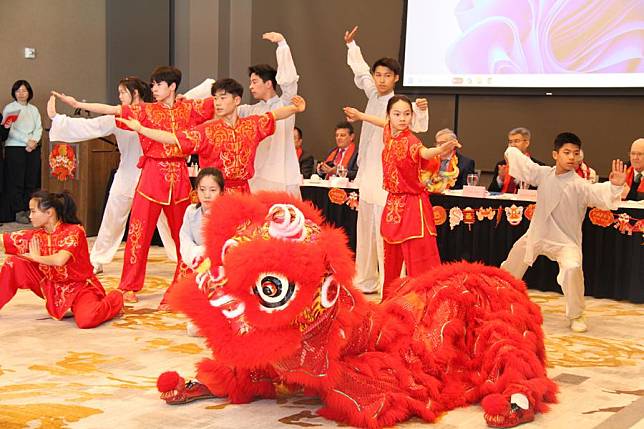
(274, 291)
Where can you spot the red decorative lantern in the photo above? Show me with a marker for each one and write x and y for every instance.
(338, 196)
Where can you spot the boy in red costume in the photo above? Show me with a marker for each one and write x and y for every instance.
(228, 143)
(164, 183)
(53, 261)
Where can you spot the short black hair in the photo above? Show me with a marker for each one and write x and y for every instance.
(299, 131)
(265, 72)
(391, 63)
(167, 74)
(563, 138)
(345, 125)
(17, 86)
(230, 86)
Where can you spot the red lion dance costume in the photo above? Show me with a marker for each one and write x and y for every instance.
(277, 307)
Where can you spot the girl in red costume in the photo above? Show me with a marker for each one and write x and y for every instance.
(407, 225)
(53, 261)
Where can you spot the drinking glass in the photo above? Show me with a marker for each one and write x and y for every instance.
(472, 179)
(341, 171)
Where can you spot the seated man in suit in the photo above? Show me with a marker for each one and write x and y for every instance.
(344, 153)
(306, 159)
(454, 159)
(634, 189)
(502, 181)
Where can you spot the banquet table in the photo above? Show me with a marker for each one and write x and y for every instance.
(484, 229)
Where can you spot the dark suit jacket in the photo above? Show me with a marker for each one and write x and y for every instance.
(4, 132)
(465, 166)
(633, 195)
(352, 166)
(494, 186)
(306, 164)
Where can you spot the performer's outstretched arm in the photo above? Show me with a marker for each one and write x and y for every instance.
(161, 136)
(100, 108)
(299, 105)
(354, 114)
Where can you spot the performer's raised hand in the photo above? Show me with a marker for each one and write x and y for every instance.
(299, 103)
(618, 173)
(352, 114)
(349, 36)
(449, 146)
(132, 124)
(51, 107)
(422, 103)
(273, 37)
(67, 99)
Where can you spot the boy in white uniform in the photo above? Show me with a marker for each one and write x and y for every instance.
(276, 165)
(378, 83)
(555, 229)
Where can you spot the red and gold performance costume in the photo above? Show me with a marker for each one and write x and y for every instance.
(71, 286)
(407, 224)
(276, 304)
(229, 149)
(164, 183)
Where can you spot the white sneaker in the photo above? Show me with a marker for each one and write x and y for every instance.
(98, 268)
(192, 330)
(578, 324)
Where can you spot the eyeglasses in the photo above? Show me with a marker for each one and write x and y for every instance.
(637, 154)
(513, 141)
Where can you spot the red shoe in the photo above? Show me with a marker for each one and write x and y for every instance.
(191, 391)
(502, 412)
(130, 296)
(164, 307)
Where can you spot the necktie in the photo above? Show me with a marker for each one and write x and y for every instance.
(338, 157)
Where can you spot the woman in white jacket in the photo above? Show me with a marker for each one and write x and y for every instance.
(22, 153)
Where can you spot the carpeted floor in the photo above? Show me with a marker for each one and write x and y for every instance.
(53, 375)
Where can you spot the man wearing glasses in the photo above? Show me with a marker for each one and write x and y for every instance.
(502, 181)
(634, 189)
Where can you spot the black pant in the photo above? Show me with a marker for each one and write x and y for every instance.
(21, 179)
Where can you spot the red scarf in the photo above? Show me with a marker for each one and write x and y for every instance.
(348, 153)
(299, 152)
(509, 186)
(583, 170)
(630, 175)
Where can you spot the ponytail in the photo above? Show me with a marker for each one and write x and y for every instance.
(62, 203)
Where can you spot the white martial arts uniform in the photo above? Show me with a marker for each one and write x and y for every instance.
(191, 237)
(119, 202)
(369, 246)
(276, 165)
(555, 228)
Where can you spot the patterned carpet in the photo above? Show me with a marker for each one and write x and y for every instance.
(53, 375)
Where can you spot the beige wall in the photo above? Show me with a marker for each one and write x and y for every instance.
(225, 36)
(606, 125)
(69, 37)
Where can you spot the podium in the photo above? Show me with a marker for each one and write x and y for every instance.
(93, 160)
